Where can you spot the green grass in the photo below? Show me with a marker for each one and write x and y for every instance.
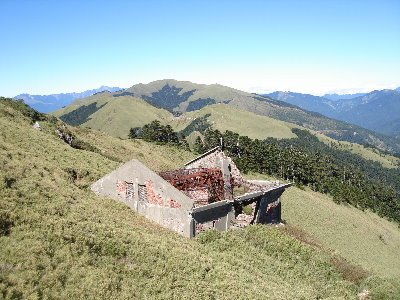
(122, 113)
(244, 115)
(191, 138)
(59, 240)
(157, 157)
(224, 117)
(101, 98)
(215, 91)
(235, 98)
(119, 114)
(361, 237)
(387, 161)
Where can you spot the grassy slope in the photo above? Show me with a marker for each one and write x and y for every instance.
(215, 91)
(119, 114)
(157, 157)
(191, 138)
(123, 113)
(100, 98)
(361, 237)
(224, 117)
(246, 101)
(58, 240)
(387, 161)
(241, 100)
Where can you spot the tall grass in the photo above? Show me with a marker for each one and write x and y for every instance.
(58, 240)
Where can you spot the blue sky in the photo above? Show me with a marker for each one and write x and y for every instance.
(257, 46)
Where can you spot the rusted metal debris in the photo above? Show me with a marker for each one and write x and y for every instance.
(197, 179)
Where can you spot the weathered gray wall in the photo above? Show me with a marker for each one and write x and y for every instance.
(164, 204)
(220, 213)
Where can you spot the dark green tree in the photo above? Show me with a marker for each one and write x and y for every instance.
(134, 133)
(198, 146)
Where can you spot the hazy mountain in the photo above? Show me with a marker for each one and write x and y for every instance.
(318, 104)
(117, 112)
(392, 127)
(335, 97)
(47, 103)
(377, 110)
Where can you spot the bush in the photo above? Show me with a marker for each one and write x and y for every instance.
(6, 223)
(209, 236)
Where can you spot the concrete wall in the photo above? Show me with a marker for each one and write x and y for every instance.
(270, 207)
(217, 215)
(163, 203)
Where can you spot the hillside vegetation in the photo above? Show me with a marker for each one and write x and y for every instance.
(309, 162)
(368, 153)
(181, 97)
(116, 117)
(361, 237)
(58, 240)
(113, 116)
(224, 117)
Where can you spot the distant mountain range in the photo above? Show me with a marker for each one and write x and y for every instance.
(172, 101)
(48, 103)
(343, 96)
(378, 110)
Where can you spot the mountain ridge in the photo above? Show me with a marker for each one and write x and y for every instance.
(375, 111)
(52, 102)
(180, 97)
(336, 96)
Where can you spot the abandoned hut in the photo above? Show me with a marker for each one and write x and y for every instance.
(199, 196)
